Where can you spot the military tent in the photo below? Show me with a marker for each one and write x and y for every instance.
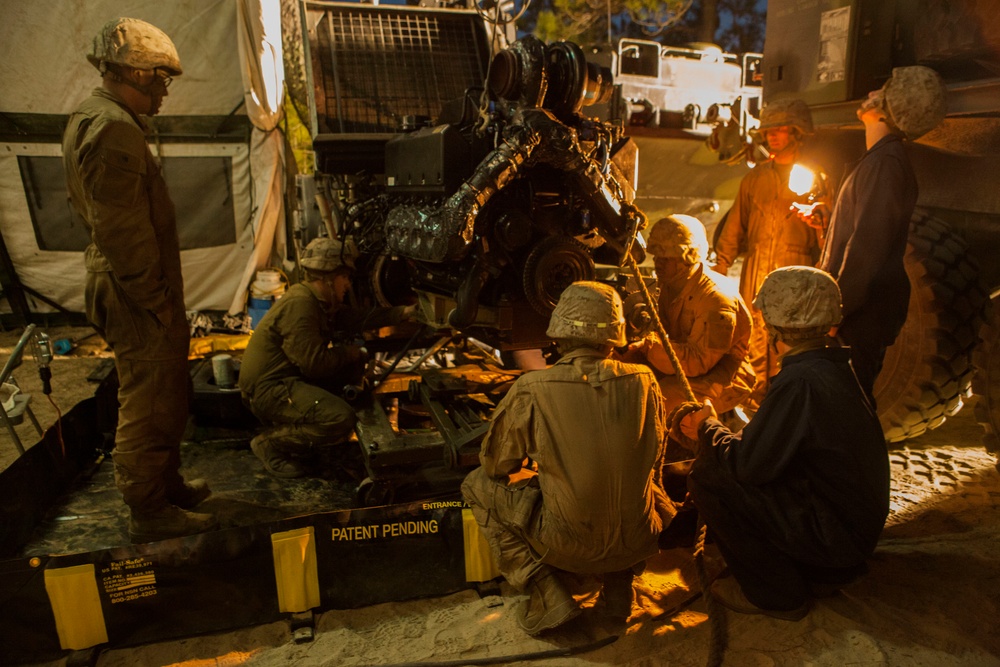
(218, 136)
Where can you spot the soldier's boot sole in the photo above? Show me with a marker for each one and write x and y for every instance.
(549, 605)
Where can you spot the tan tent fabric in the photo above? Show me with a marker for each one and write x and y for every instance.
(259, 41)
(45, 71)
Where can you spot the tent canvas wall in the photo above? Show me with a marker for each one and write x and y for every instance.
(217, 137)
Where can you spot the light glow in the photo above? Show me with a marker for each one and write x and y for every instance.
(801, 180)
(270, 52)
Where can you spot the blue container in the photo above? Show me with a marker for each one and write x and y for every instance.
(256, 309)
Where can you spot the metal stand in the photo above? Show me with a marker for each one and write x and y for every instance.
(445, 414)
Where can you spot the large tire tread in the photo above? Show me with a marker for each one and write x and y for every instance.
(929, 371)
(986, 383)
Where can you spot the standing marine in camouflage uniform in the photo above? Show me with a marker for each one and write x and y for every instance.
(763, 226)
(135, 291)
(594, 427)
(296, 363)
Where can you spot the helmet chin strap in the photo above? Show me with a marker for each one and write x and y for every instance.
(119, 77)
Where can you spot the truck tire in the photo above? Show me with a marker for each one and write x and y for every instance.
(986, 382)
(928, 371)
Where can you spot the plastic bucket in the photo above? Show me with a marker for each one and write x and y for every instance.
(268, 282)
(257, 308)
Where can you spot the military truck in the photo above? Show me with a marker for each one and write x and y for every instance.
(831, 53)
(682, 87)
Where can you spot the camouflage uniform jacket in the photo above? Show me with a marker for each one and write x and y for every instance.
(709, 328)
(296, 339)
(762, 224)
(595, 427)
(116, 186)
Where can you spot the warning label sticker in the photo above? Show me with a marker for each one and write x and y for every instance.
(130, 579)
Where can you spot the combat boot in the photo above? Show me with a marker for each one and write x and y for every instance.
(730, 595)
(616, 596)
(549, 605)
(188, 495)
(277, 462)
(166, 522)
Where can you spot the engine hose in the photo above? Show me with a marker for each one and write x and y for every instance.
(467, 297)
(716, 618)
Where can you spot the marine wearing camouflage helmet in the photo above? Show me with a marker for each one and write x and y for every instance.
(679, 236)
(325, 255)
(135, 288)
(589, 312)
(590, 503)
(763, 224)
(704, 317)
(799, 302)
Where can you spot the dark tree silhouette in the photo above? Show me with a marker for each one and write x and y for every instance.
(735, 25)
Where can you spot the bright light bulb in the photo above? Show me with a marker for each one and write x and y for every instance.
(801, 180)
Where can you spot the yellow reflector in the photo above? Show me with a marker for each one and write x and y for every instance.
(77, 606)
(479, 565)
(295, 569)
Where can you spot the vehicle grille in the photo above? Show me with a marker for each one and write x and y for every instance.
(379, 64)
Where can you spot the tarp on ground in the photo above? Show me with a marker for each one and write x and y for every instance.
(237, 577)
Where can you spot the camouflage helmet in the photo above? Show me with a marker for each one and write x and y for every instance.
(324, 255)
(680, 236)
(799, 298)
(134, 43)
(914, 100)
(591, 312)
(789, 112)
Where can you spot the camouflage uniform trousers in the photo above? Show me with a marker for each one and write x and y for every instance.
(154, 392)
(300, 417)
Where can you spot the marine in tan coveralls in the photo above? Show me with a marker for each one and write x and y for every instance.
(708, 324)
(293, 370)
(135, 291)
(763, 226)
(594, 427)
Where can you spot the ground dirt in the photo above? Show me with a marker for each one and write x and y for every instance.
(931, 599)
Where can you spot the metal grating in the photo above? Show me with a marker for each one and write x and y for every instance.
(378, 65)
